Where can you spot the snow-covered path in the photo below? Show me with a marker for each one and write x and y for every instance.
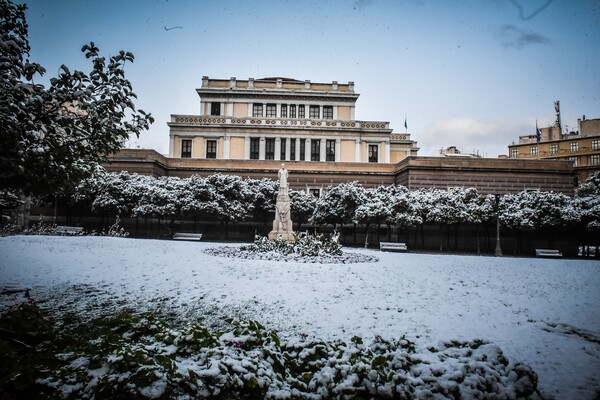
(545, 313)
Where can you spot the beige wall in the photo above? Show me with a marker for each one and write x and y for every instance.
(240, 110)
(589, 127)
(220, 147)
(198, 147)
(176, 146)
(347, 151)
(343, 112)
(236, 148)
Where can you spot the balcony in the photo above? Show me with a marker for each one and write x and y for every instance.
(212, 120)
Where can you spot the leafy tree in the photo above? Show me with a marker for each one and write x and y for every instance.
(591, 186)
(302, 206)
(338, 205)
(52, 137)
(263, 195)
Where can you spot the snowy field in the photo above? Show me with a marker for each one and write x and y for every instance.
(543, 312)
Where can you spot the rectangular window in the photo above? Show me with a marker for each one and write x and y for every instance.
(330, 150)
(282, 152)
(595, 144)
(271, 110)
(315, 192)
(293, 149)
(514, 153)
(315, 150)
(284, 111)
(574, 147)
(257, 110)
(211, 149)
(254, 148)
(574, 159)
(595, 159)
(373, 153)
(533, 151)
(186, 148)
(553, 148)
(302, 149)
(314, 112)
(215, 108)
(301, 111)
(269, 149)
(327, 112)
(292, 111)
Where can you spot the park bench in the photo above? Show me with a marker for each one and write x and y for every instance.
(187, 236)
(391, 246)
(68, 230)
(547, 253)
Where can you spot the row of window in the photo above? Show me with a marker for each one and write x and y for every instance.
(315, 149)
(291, 111)
(553, 148)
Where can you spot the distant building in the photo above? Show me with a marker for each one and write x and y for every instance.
(452, 151)
(581, 147)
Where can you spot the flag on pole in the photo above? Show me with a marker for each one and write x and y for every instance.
(538, 132)
(405, 125)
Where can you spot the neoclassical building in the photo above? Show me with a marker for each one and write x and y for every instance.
(249, 127)
(283, 119)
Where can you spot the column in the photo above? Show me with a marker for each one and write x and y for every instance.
(338, 149)
(288, 148)
(387, 151)
(226, 148)
(261, 148)
(322, 149)
(247, 148)
(229, 109)
(357, 151)
(249, 114)
(297, 149)
(277, 149)
(307, 150)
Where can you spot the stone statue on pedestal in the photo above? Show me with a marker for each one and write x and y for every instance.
(282, 224)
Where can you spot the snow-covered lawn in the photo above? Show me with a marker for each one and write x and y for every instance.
(543, 312)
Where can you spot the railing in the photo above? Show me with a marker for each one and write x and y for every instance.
(281, 122)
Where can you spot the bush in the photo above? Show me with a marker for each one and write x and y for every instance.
(145, 355)
(304, 245)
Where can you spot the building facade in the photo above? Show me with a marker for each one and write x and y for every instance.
(283, 119)
(581, 147)
(487, 175)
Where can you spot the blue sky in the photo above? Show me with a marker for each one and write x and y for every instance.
(474, 74)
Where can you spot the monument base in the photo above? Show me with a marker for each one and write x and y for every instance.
(283, 235)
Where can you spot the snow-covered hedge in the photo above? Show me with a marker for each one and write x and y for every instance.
(142, 355)
(232, 198)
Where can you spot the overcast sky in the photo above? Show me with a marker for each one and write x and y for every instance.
(473, 74)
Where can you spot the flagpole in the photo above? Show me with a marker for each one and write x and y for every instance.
(538, 136)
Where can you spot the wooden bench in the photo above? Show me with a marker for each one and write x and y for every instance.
(547, 253)
(187, 236)
(391, 246)
(68, 230)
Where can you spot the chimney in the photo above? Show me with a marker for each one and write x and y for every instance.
(232, 82)
(351, 86)
(204, 81)
(334, 85)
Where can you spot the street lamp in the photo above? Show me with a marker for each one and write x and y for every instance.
(498, 251)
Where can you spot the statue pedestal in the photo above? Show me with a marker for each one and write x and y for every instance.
(282, 224)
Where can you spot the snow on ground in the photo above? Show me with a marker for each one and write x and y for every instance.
(544, 312)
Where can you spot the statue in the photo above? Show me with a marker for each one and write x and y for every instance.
(282, 174)
(282, 224)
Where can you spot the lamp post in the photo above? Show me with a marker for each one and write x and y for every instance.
(498, 251)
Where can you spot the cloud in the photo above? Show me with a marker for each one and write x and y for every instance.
(489, 138)
(511, 36)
